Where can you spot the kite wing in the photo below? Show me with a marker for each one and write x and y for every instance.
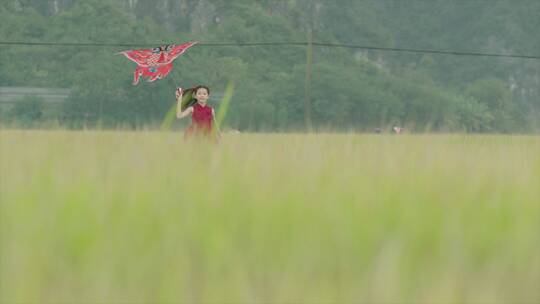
(176, 50)
(140, 57)
(155, 63)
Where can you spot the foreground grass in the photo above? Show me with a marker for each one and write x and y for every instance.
(145, 217)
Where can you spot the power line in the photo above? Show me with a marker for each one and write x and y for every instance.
(68, 44)
(446, 52)
(256, 44)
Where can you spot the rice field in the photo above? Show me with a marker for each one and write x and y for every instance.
(144, 217)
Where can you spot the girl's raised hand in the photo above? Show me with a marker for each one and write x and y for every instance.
(178, 93)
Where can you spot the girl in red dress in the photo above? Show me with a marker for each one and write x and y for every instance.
(202, 115)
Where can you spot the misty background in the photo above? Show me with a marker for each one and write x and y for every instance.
(277, 87)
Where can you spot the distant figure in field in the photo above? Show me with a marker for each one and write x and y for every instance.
(203, 116)
(398, 130)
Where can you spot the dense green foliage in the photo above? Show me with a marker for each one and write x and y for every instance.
(350, 88)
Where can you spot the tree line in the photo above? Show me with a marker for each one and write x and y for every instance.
(347, 89)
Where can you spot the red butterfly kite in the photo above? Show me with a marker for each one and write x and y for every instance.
(155, 63)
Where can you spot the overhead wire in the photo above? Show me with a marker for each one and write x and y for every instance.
(279, 43)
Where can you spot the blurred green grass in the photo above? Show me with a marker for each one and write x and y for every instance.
(96, 216)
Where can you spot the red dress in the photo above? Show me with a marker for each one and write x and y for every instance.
(201, 121)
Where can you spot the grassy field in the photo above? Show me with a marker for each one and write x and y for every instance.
(120, 217)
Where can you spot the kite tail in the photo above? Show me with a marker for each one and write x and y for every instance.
(154, 77)
(136, 76)
(165, 70)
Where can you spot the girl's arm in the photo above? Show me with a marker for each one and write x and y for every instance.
(179, 113)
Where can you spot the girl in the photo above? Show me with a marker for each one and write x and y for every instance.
(202, 115)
